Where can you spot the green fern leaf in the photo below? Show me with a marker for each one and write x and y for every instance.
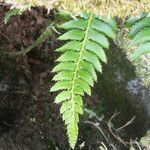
(61, 85)
(68, 56)
(97, 49)
(132, 20)
(76, 71)
(140, 35)
(89, 68)
(142, 49)
(74, 34)
(99, 38)
(78, 24)
(65, 106)
(145, 22)
(85, 75)
(78, 91)
(63, 75)
(111, 22)
(73, 45)
(78, 100)
(104, 28)
(84, 85)
(64, 95)
(93, 59)
(64, 66)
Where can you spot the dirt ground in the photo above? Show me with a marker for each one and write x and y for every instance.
(27, 112)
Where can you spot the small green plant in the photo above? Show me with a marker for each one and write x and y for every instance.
(75, 72)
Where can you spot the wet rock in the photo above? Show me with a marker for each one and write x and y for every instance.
(120, 89)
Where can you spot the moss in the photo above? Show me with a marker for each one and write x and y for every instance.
(119, 8)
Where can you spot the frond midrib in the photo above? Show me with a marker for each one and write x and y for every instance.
(78, 63)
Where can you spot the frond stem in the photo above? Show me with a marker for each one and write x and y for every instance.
(78, 63)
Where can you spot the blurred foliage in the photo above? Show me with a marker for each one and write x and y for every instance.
(139, 35)
(145, 141)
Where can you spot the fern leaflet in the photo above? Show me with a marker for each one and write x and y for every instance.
(140, 35)
(76, 70)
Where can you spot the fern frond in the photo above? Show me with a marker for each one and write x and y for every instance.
(140, 35)
(76, 68)
(139, 24)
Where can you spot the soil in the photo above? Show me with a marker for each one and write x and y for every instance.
(27, 111)
(29, 120)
